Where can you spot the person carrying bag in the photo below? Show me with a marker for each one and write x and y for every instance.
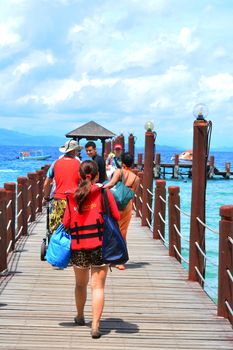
(84, 219)
(132, 182)
(114, 248)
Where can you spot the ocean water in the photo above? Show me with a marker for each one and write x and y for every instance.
(219, 192)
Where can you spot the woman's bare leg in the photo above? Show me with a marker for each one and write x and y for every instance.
(81, 279)
(98, 277)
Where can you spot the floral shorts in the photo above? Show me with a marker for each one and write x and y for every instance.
(87, 258)
(56, 216)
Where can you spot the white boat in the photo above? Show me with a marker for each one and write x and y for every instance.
(33, 155)
(186, 156)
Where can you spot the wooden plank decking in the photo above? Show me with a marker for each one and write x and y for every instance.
(150, 305)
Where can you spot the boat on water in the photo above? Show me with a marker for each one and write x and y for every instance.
(33, 155)
(186, 156)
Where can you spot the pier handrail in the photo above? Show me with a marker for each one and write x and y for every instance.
(19, 207)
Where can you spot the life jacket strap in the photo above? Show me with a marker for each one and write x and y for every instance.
(87, 235)
(76, 235)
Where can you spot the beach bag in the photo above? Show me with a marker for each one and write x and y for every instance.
(114, 248)
(122, 194)
(58, 252)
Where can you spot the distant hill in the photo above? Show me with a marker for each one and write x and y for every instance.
(14, 138)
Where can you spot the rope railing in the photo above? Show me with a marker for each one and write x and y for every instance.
(199, 274)
(161, 236)
(178, 253)
(179, 233)
(182, 212)
(9, 246)
(149, 224)
(19, 233)
(230, 275)
(229, 308)
(148, 191)
(19, 206)
(9, 204)
(204, 254)
(161, 218)
(162, 199)
(206, 226)
(149, 208)
(9, 224)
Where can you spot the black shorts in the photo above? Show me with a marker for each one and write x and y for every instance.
(87, 258)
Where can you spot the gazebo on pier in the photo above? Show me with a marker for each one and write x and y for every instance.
(91, 131)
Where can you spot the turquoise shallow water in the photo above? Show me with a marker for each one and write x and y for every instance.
(219, 192)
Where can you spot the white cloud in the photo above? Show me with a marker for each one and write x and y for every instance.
(187, 41)
(8, 33)
(34, 60)
(218, 88)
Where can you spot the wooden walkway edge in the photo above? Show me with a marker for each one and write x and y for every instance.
(150, 305)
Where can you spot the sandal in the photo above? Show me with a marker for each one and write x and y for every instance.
(79, 321)
(95, 333)
(120, 267)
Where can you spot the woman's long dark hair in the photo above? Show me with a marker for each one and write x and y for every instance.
(88, 171)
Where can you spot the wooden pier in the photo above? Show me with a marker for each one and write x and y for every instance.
(150, 305)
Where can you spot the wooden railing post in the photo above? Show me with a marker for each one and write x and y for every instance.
(225, 272)
(139, 162)
(131, 142)
(148, 177)
(139, 196)
(176, 167)
(32, 195)
(10, 214)
(121, 141)
(174, 221)
(157, 166)
(3, 230)
(40, 182)
(211, 168)
(159, 209)
(228, 170)
(22, 209)
(197, 230)
(45, 168)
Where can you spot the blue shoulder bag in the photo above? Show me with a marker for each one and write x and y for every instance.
(114, 248)
(58, 252)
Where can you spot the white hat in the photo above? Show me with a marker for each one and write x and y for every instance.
(70, 146)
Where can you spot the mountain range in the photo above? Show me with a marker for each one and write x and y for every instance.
(14, 138)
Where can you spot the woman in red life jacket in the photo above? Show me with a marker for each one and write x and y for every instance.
(84, 220)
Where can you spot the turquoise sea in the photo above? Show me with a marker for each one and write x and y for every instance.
(219, 192)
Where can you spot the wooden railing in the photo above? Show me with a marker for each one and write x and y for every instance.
(19, 206)
(157, 223)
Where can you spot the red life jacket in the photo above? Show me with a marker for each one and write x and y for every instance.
(86, 228)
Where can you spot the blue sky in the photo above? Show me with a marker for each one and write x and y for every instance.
(119, 63)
